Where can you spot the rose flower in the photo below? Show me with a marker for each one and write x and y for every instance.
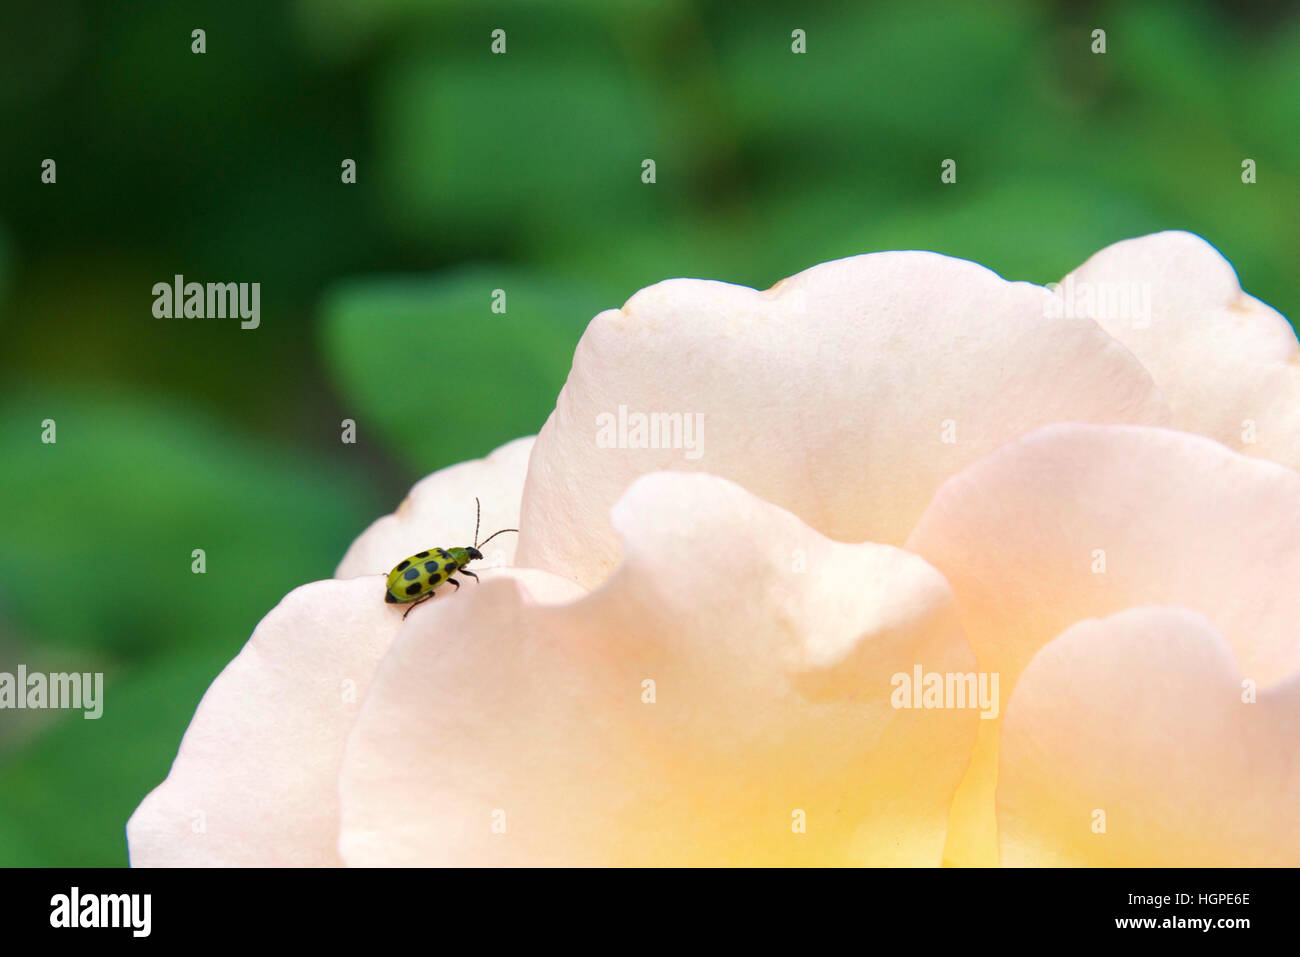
(895, 563)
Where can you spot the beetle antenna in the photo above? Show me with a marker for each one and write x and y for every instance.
(478, 514)
(494, 535)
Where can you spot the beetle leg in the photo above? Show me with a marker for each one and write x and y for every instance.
(422, 598)
(454, 582)
(466, 571)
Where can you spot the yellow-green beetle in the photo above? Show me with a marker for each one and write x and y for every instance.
(414, 579)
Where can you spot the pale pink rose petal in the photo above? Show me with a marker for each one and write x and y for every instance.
(1127, 743)
(1228, 364)
(1079, 521)
(731, 679)
(255, 782)
(439, 511)
(845, 394)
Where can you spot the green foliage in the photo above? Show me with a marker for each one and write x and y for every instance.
(4, 271)
(100, 526)
(989, 225)
(441, 376)
(527, 146)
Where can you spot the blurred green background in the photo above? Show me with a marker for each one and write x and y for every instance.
(478, 172)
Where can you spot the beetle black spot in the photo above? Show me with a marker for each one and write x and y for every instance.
(405, 562)
(431, 568)
(422, 555)
(413, 589)
(412, 574)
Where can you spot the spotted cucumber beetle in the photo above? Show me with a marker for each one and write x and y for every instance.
(415, 578)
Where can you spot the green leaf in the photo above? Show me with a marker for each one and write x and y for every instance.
(876, 79)
(478, 151)
(429, 365)
(1034, 229)
(100, 529)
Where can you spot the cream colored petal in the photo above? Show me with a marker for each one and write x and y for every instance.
(732, 679)
(1080, 521)
(845, 394)
(1228, 364)
(256, 780)
(255, 783)
(1127, 743)
(439, 511)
